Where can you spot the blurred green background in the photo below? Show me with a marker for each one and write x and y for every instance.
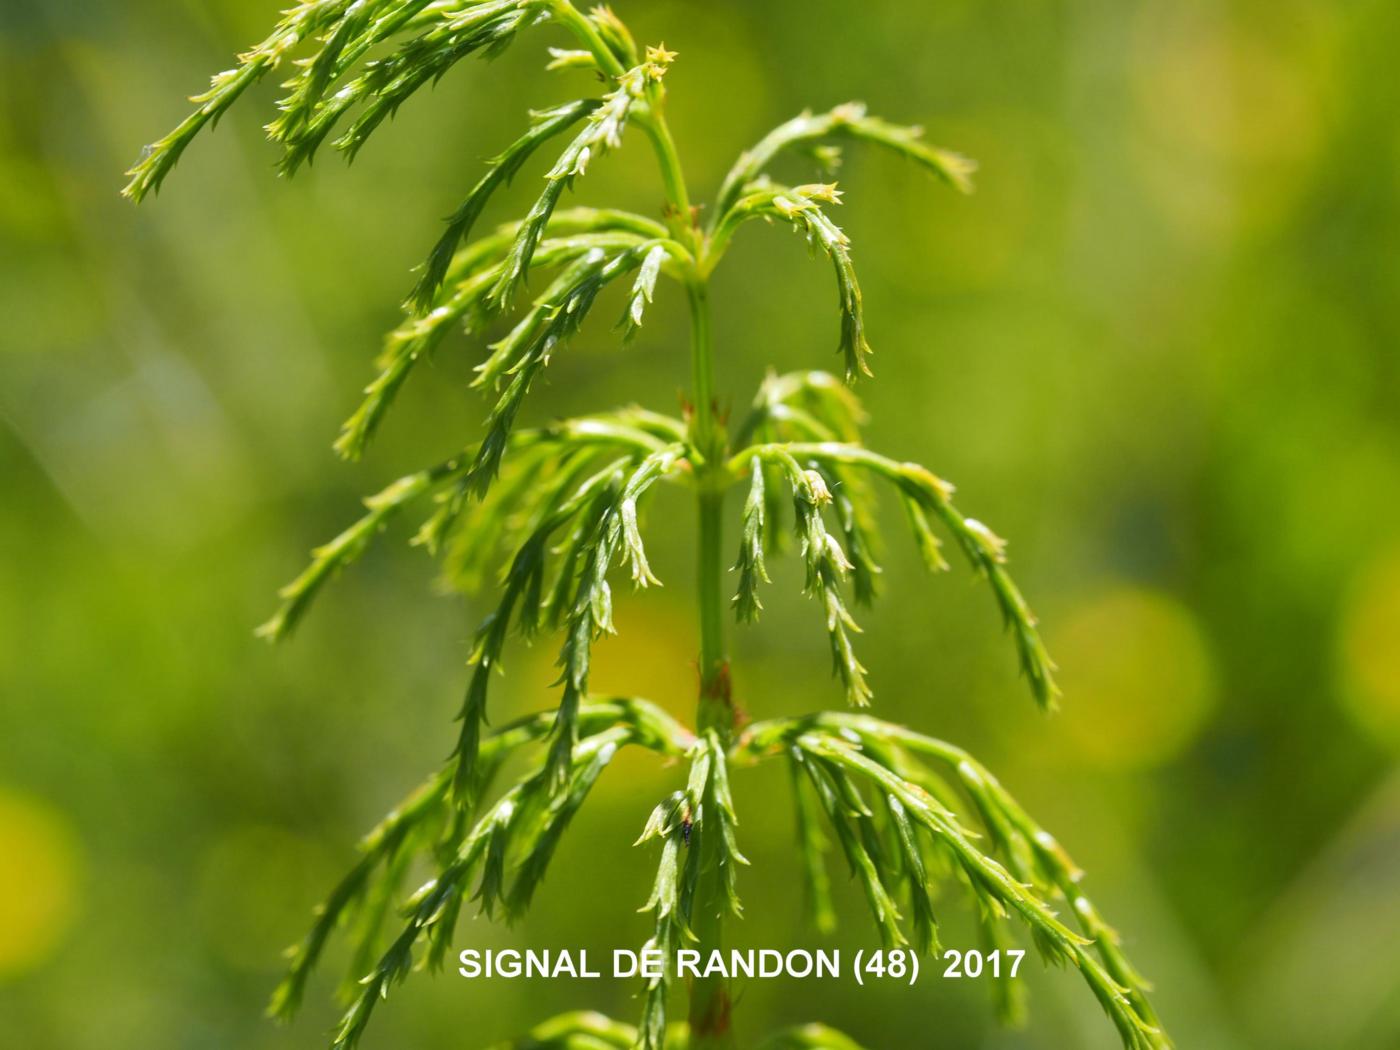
(1156, 350)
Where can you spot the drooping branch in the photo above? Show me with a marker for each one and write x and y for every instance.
(850, 120)
(816, 405)
(993, 883)
(485, 851)
(465, 307)
(461, 298)
(364, 26)
(673, 890)
(800, 207)
(1032, 853)
(384, 84)
(1030, 863)
(601, 132)
(544, 125)
(421, 818)
(345, 548)
(852, 820)
(378, 849)
(519, 358)
(335, 36)
(584, 599)
(524, 582)
(826, 562)
(600, 514)
(301, 22)
(565, 439)
(535, 482)
(927, 494)
(506, 852)
(696, 829)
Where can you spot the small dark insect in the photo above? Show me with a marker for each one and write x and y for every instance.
(686, 825)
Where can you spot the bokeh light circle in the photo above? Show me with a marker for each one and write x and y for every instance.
(1370, 649)
(38, 882)
(1137, 675)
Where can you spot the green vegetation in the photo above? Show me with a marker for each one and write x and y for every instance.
(562, 507)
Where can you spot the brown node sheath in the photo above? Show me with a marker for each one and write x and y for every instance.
(714, 1018)
(717, 699)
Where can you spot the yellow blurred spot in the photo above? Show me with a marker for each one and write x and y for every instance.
(1231, 120)
(652, 655)
(1137, 678)
(1370, 649)
(38, 882)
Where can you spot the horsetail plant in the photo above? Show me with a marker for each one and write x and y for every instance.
(554, 510)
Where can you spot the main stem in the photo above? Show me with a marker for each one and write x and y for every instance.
(710, 1000)
(708, 439)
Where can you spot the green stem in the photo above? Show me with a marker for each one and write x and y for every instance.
(578, 24)
(710, 999)
(708, 440)
(702, 368)
(652, 121)
(680, 217)
(716, 710)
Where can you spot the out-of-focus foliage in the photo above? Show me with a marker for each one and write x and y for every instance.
(1157, 347)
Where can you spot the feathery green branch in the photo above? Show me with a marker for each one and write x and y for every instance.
(1031, 863)
(544, 125)
(800, 207)
(601, 132)
(516, 830)
(426, 807)
(985, 551)
(301, 22)
(849, 120)
(465, 307)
